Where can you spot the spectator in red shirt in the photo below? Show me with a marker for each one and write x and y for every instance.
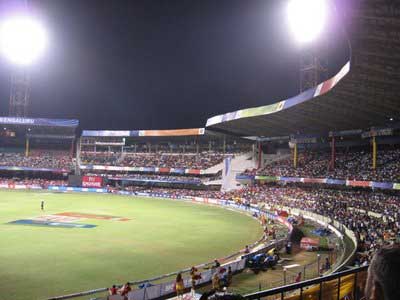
(113, 290)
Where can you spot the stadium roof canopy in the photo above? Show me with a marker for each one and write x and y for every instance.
(365, 93)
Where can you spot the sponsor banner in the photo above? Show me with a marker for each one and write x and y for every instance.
(11, 168)
(177, 171)
(92, 181)
(20, 186)
(192, 171)
(267, 178)
(244, 177)
(75, 189)
(172, 132)
(382, 185)
(144, 133)
(309, 243)
(314, 180)
(51, 136)
(358, 183)
(377, 132)
(39, 122)
(291, 179)
(326, 86)
(246, 113)
(285, 222)
(396, 186)
(345, 132)
(335, 181)
(304, 140)
(100, 133)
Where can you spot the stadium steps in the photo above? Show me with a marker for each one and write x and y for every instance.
(272, 158)
(239, 164)
(214, 169)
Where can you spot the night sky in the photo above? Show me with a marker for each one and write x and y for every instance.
(160, 64)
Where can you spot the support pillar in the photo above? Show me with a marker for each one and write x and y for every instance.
(27, 147)
(374, 152)
(259, 155)
(295, 156)
(333, 153)
(224, 145)
(71, 153)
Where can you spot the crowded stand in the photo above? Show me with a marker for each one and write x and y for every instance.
(170, 178)
(37, 159)
(158, 160)
(31, 182)
(351, 165)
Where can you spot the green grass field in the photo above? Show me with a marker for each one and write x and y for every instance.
(161, 236)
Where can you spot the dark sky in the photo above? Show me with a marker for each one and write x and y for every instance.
(159, 64)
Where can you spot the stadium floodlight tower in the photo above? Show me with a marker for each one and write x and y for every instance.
(307, 19)
(22, 41)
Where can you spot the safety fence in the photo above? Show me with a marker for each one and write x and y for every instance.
(347, 285)
(289, 273)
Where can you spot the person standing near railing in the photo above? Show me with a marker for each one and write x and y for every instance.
(179, 286)
(298, 277)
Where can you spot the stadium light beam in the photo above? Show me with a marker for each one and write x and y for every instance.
(23, 39)
(307, 18)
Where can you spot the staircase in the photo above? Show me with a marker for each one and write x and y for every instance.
(237, 165)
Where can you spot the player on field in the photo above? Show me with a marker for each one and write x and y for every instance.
(42, 205)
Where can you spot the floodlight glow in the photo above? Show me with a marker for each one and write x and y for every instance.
(22, 40)
(307, 18)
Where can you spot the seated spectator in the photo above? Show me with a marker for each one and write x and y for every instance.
(113, 290)
(216, 264)
(125, 289)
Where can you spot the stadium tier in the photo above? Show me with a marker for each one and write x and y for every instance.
(350, 164)
(154, 160)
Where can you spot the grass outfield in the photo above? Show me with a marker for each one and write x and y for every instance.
(161, 236)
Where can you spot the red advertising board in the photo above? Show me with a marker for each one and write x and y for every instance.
(92, 181)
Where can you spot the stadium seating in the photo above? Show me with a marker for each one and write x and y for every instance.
(37, 159)
(30, 182)
(159, 160)
(348, 165)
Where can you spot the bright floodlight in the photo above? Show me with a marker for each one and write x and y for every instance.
(22, 40)
(307, 18)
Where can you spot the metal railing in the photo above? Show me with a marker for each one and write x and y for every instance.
(347, 284)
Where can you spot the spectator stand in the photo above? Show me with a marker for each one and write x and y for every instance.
(158, 155)
(353, 155)
(37, 146)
